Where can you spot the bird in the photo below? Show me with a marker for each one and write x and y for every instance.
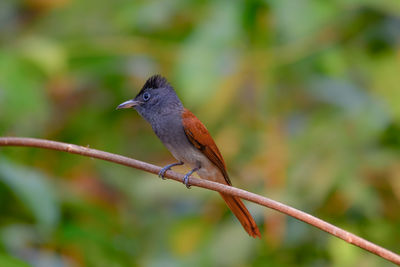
(188, 140)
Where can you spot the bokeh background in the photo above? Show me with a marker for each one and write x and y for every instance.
(302, 97)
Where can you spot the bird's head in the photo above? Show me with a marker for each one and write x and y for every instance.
(155, 98)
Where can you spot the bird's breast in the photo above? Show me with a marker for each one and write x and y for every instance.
(171, 133)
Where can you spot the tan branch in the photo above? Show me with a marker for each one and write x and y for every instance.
(302, 216)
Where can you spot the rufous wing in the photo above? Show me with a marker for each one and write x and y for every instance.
(199, 136)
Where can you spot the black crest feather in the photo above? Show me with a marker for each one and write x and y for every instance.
(155, 82)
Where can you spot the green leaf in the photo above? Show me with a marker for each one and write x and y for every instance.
(47, 55)
(23, 100)
(34, 191)
(8, 261)
(342, 253)
(210, 53)
(299, 19)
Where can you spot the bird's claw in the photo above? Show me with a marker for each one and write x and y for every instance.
(187, 175)
(162, 172)
(186, 180)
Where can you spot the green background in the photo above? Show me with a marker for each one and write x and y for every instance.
(302, 98)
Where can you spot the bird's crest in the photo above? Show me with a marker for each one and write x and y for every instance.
(155, 82)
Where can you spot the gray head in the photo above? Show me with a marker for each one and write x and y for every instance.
(156, 98)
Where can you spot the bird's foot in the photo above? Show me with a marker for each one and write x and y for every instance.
(162, 172)
(187, 175)
(186, 181)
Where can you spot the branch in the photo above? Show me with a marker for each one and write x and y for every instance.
(302, 216)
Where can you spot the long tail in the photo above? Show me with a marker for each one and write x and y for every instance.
(243, 215)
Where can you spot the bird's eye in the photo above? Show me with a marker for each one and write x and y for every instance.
(146, 96)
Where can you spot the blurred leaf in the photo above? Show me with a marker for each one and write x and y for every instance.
(23, 241)
(152, 15)
(311, 13)
(186, 236)
(8, 261)
(34, 190)
(343, 254)
(391, 136)
(386, 81)
(48, 55)
(387, 5)
(209, 52)
(368, 114)
(232, 246)
(23, 103)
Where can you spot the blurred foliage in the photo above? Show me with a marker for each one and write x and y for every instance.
(301, 96)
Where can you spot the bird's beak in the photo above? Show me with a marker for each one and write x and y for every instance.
(128, 104)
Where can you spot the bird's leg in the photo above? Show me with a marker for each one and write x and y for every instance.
(187, 175)
(168, 167)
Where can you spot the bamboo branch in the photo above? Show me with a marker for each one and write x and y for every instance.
(300, 215)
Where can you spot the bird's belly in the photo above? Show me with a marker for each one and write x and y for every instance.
(195, 158)
(187, 154)
(174, 138)
(211, 172)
